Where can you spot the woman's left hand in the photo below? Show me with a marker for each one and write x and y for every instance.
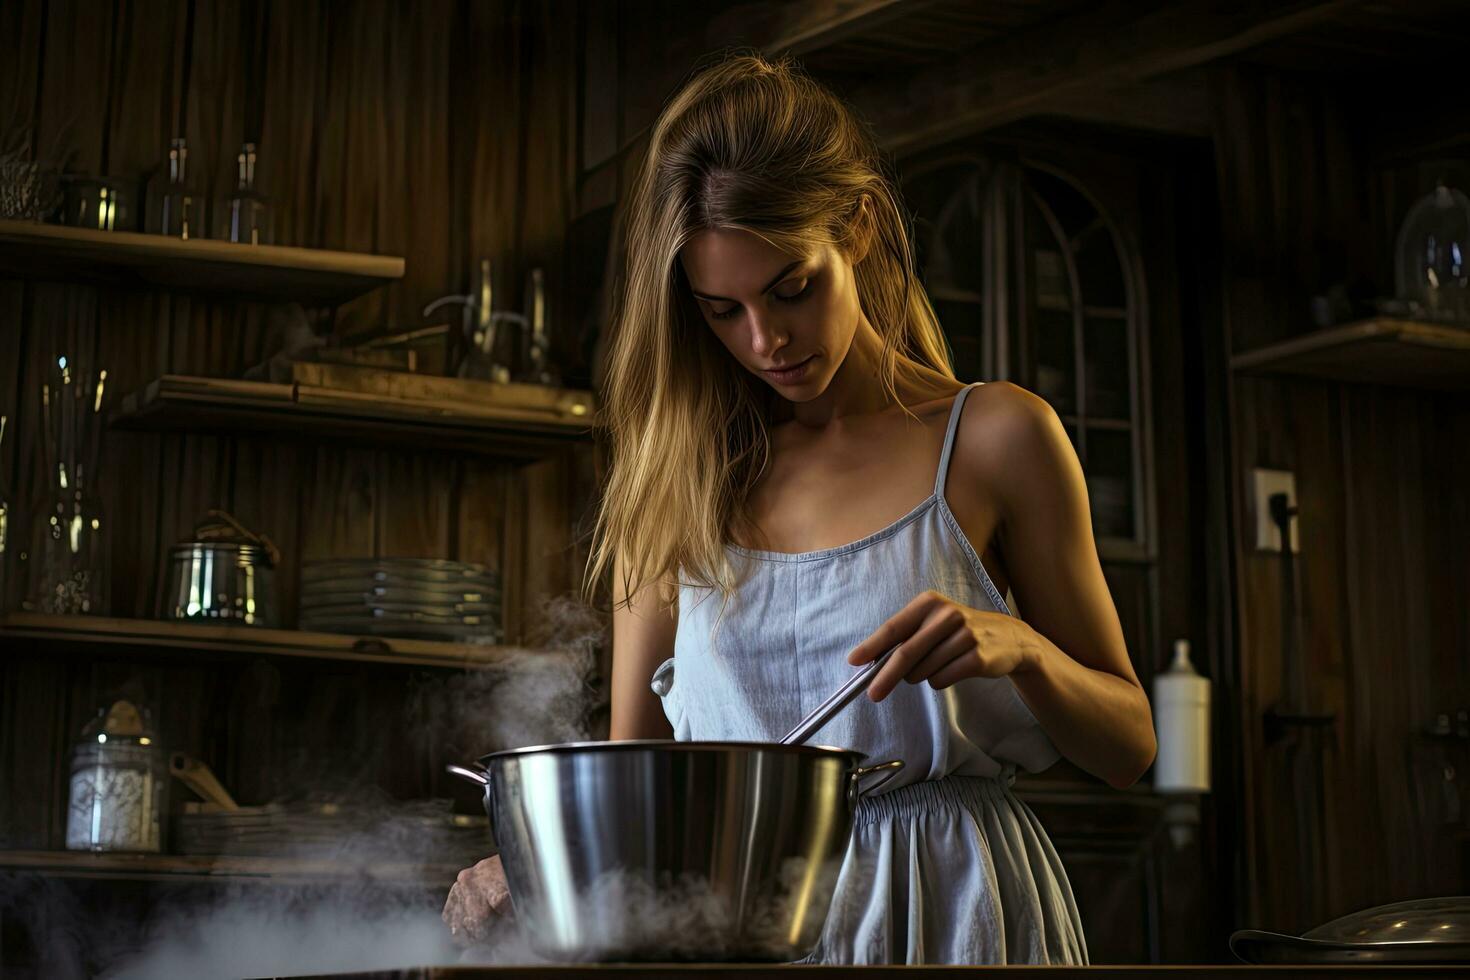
(943, 642)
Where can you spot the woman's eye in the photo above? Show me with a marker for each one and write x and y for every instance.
(793, 290)
(724, 314)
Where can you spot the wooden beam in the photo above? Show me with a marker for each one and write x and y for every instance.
(799, 28)
(1178, 106)
(1024, 74)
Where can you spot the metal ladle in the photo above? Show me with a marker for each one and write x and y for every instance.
(838, 700)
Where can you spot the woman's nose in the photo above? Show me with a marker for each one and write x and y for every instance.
(765, 338)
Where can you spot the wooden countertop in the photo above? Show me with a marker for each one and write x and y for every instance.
(743, 971)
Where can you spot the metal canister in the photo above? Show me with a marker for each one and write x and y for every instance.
(222, 582)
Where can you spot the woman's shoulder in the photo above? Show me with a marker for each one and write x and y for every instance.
(1009, 435)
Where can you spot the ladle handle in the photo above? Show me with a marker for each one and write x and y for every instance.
(840, 699)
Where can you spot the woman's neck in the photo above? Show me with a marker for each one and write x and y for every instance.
(857, 387)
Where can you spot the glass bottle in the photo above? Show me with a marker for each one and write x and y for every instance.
(176, 206)
(246, 217)
(538, 369)
(70, 558)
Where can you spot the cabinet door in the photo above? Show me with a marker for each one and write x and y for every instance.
(1033, 281)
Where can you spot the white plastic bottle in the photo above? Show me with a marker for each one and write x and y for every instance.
(1182, 721)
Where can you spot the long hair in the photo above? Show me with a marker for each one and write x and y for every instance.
(753, 145)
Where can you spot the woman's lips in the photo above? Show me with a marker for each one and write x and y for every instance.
(792, 374)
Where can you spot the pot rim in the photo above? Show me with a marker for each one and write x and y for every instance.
(661, 743)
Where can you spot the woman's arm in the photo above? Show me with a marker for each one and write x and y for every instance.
(1074, 673)
(643, 638)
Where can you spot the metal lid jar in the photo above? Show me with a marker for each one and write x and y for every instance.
(119, 778)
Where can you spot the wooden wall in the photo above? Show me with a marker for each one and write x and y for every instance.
(1384, 522)
(440, 131)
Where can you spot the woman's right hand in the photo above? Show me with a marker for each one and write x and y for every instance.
(479, 897)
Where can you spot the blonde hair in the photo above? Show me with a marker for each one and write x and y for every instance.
(754, 145)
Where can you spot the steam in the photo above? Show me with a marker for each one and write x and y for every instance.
(537, 695)
(372, 916)
(364, 926)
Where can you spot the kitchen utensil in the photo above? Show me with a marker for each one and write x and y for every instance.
(453, 612)
(838, 700)
(423, 569)
(382, 616)
(350, 833)
(200, 778)
(425, 598)
(1426, 930)
(227, 582)
(659, 850)
(358, 594)
(468, 634)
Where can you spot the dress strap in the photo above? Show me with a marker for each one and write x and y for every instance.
(954, 424)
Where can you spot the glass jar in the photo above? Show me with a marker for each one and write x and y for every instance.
(101, 203)
(1431, 261)
(119, 781)
(70, 557)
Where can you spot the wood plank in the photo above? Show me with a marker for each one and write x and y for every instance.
(193, 404)
(799, 28)
(264, 272)
(1382, 351)
(1021, 75)
(1178, 106)
(175, 867)
(101, 633)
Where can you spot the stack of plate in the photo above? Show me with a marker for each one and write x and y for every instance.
(416, 598)
(418, 831)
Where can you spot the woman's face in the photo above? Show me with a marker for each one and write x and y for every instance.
(789, 319)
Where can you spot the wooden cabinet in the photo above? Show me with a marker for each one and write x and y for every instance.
(1034, 281)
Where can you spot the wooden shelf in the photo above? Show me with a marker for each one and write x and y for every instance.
(314, 277)
(102, 633)
(1403, 353)
(1123, 550)
(953, 294)
(1099, 422)
(186, 868)
(190, 404)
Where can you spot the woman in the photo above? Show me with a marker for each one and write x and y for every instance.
(799, 483)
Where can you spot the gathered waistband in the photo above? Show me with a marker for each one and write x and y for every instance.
(916, 799)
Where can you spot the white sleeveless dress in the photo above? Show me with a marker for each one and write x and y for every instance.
(945, 864)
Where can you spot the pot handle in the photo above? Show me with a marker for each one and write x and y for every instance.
(857, 774)
(479, 777)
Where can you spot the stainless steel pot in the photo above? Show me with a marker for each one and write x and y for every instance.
(221, 582)
(658, 850)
